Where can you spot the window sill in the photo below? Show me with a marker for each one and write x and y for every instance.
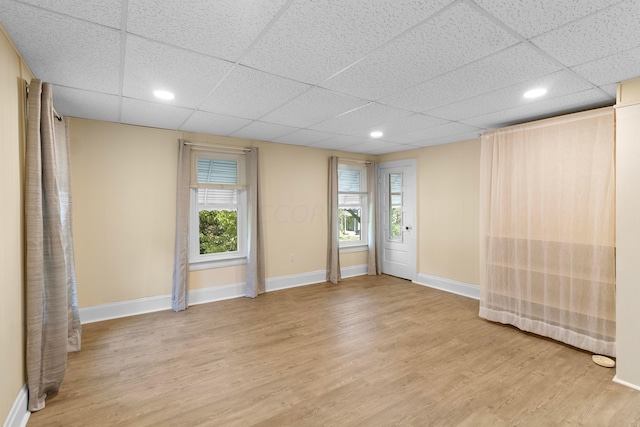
(218, 263)
(353, 248)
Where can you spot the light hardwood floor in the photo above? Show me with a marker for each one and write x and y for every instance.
(372, 351)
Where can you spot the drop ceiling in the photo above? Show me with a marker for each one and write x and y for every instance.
(327, 73)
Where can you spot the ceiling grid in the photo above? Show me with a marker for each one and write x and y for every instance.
(327, 74)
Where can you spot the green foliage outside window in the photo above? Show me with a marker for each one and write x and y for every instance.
(218, 231)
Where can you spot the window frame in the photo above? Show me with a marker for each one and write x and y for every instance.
(347, 246)
(199, 261)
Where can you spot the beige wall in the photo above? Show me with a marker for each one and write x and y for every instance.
(12, 341)
(295, 204)
(448, 209)
(628, 232)
(123, 183)
(123, 189)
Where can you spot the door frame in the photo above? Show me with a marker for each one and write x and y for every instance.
(411, 163)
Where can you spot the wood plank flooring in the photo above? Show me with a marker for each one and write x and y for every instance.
(372, 351)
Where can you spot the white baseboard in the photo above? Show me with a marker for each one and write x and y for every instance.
(133, 307)
(354, 270)
(295, 280)
(448, 285)
(625, 383)
(19, 415)
(98, 313)
(318, 276)
(215, 293)
(115, 310)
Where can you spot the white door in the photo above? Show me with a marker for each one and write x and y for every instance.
(397, 218)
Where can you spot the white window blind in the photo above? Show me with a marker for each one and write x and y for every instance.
(349, 180)
(217, 173)
(217, 184)
(212, 171)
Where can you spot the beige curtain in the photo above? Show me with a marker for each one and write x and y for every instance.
(547, 229)
(255, 250)
(179, 296)
(53, 322)
(333, 252)
(373, 260)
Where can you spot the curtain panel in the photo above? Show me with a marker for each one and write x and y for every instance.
(179, 295)
(333, 251)
(547, 229)
(53, 321)
(255, 250)
(373, 260)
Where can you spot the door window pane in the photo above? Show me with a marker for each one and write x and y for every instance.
(395, 206)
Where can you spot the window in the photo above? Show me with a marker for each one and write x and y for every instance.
(352, 204)
(395, 207)
(218, 214)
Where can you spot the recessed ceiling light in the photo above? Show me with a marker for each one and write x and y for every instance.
(535, 93)
(163, 94)
(376, 134)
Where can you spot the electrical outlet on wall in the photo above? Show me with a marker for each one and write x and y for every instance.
(292, 258)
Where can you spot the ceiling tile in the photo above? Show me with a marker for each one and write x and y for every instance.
(262, 131)
(251, 93)
(152, 114)
(610, 89)
(313, 106)
(557, 84)
(304, 137)
(213, 124)
(375, 145)
(513, 65)
(409, 123)
(542, 109)
(451, 39)
(599, 35)
(420, 136)
(73, 53)
(396, 148)
(86, 104)
(455, 137)
(530, 18)
(361, 121)
(151, 66)
(221, 28)
(104, 12)
(341, 142)
(612, 69)
(314, 39)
